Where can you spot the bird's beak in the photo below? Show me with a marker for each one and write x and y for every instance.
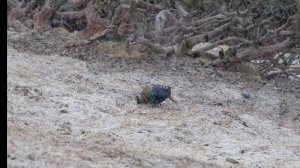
(173, 100)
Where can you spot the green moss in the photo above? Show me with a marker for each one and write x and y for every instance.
(193, 4)
(186, 47)
(296, 24)
(40, 2)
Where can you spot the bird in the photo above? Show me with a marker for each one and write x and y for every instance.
(155, 94)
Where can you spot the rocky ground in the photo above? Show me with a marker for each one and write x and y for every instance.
(76, 108)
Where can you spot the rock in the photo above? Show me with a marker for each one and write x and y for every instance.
(246, 95)
(283, 107)
(164, 19)
(242, 151)
(230, 160)
(30, 157)
(206, 65)
(63, 111)
(120, 102)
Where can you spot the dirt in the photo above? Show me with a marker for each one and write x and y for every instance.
(76, 108)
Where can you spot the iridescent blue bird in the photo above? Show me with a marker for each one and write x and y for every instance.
(155, 94)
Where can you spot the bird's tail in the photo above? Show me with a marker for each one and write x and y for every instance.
(173, 100)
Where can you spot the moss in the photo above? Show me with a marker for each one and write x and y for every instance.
(186, 47)
(193, 4)
(296, 24)
(40, 2)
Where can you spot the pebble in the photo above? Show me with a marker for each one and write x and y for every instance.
(246, 95)
(230, 160)
(63, 111)
(206, 65)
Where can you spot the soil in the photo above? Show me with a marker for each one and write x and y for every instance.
(76, 108)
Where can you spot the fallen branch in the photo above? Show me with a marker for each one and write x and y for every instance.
(203, 37)
(181, 10)
(263, 52)
(226, 40)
